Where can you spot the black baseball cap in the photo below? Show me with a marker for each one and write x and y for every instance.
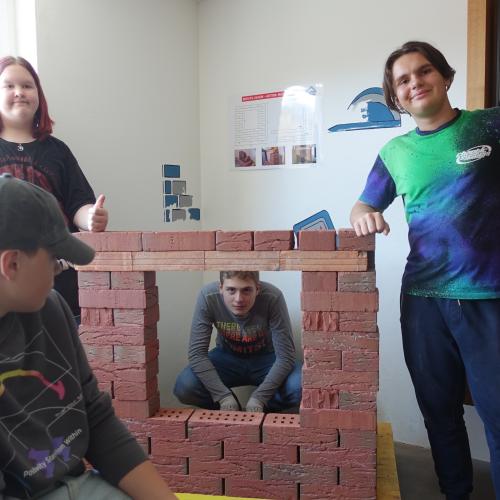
(30, 218)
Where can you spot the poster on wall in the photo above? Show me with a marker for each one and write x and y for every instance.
(278, 129)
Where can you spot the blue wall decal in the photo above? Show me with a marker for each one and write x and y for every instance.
(317, 221)
(194, 213)
(374, 113)
(171, 170)
(175, 196)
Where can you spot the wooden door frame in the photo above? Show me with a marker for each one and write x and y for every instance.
(480, 53)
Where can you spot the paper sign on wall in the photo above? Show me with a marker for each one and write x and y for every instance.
(277, 129)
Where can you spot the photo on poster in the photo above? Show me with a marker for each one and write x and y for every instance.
(244, 157)
(305, 153)
(274, 155)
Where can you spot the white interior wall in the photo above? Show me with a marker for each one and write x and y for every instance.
(121, 80)
(262, 46)
(123, 85)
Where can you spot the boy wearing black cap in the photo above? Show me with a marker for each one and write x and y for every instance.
(52, 414)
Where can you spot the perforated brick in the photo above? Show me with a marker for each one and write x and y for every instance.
(231, 425)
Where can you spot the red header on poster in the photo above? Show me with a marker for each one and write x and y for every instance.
(258, 97)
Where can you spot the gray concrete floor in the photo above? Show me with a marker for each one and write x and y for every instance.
(417, 480)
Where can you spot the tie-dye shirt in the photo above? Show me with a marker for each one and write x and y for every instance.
(449, 180)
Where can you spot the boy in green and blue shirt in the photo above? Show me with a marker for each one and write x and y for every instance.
(447, 171)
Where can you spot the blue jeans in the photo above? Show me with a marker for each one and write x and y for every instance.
(235, 371)
(446, 342)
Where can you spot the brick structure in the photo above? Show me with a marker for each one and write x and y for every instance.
(329, 449)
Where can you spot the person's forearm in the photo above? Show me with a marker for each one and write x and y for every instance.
(144, 483)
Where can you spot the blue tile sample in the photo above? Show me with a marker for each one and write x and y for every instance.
(167, 187)
(171, 200)
(166, 216)
(171, 170)
(194, 213)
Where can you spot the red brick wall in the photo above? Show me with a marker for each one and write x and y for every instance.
(329, 450)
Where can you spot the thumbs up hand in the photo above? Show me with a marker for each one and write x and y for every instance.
(98, 216)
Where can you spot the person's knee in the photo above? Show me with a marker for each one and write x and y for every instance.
(293, 387)
(184, 388)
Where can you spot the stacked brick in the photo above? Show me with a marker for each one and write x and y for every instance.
(329, 449)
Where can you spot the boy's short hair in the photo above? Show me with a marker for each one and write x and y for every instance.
(242, 275)
(433, 55)
(30, 219)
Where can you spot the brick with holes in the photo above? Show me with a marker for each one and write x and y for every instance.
(231, 425)
(170, 423)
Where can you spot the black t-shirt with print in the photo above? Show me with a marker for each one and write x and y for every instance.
(50, 164)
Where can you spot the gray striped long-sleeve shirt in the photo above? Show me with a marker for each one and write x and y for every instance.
(266, 328)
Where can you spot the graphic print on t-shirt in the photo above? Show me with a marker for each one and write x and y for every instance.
(250, 341)
(41, 412)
